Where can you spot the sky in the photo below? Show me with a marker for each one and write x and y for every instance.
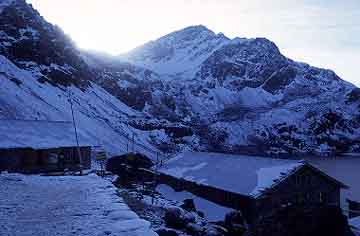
(323, 33)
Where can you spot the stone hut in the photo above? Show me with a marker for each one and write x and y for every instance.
(257, 186)
(40, 146)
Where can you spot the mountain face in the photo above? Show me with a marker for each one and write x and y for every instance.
(243, 95)
(178, 53)
(189, 90)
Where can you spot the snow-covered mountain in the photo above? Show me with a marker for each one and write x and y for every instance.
(244, 95)
(189, 90)
(180, 52)
(41, 69)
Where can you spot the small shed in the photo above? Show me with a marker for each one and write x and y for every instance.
(40, 146)
(255, 185)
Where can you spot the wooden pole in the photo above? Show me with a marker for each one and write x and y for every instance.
(133, 143)
(76, 135)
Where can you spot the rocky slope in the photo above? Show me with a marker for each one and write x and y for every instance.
(244, 95)
(191, 89)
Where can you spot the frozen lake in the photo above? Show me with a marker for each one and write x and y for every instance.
(345, 169)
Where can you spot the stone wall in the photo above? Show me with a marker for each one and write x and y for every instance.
(28, 160)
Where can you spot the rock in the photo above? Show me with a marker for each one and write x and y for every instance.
(234, 218)
(166, 232)
(188, 205)
(194, 229)
(174, 218)
(189, 217)
(280, 79)
(235, 223)
(353, 96)
(201, 214)
(135, 160)
(215, 230)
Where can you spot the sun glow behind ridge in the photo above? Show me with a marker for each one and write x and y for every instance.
(322, 33)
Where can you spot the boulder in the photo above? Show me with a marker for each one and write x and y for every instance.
(201, 214)
(234, 218)
(189, 217)
(135, 160)
(194, 229)
(215, 230)
(174, 218)
(166, 232)
(235, 223)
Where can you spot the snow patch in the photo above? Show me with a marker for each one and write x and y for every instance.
(270, 176)
(213, 212)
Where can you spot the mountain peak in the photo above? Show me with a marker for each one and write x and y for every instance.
(196, 28)
(180, 50)
(191, 33)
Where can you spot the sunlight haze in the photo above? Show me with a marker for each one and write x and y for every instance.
(322, 33)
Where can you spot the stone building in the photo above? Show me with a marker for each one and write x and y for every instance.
(40, 146)
(256, 186)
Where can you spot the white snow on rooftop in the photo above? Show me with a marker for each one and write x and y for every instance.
(235, 173)
(37, 134)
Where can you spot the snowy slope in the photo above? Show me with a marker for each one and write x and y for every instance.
(87, 205)
(189, 90)
(41, 69)
(98, 114)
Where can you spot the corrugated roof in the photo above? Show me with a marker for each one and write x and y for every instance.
(37, 134)
(241, 174)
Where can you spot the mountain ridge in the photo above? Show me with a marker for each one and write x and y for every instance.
(189, 90)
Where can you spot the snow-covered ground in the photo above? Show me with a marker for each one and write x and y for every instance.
(355, 224)
(49, 206)
(213, 212)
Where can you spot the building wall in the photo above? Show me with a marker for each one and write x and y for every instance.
(37, 161)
